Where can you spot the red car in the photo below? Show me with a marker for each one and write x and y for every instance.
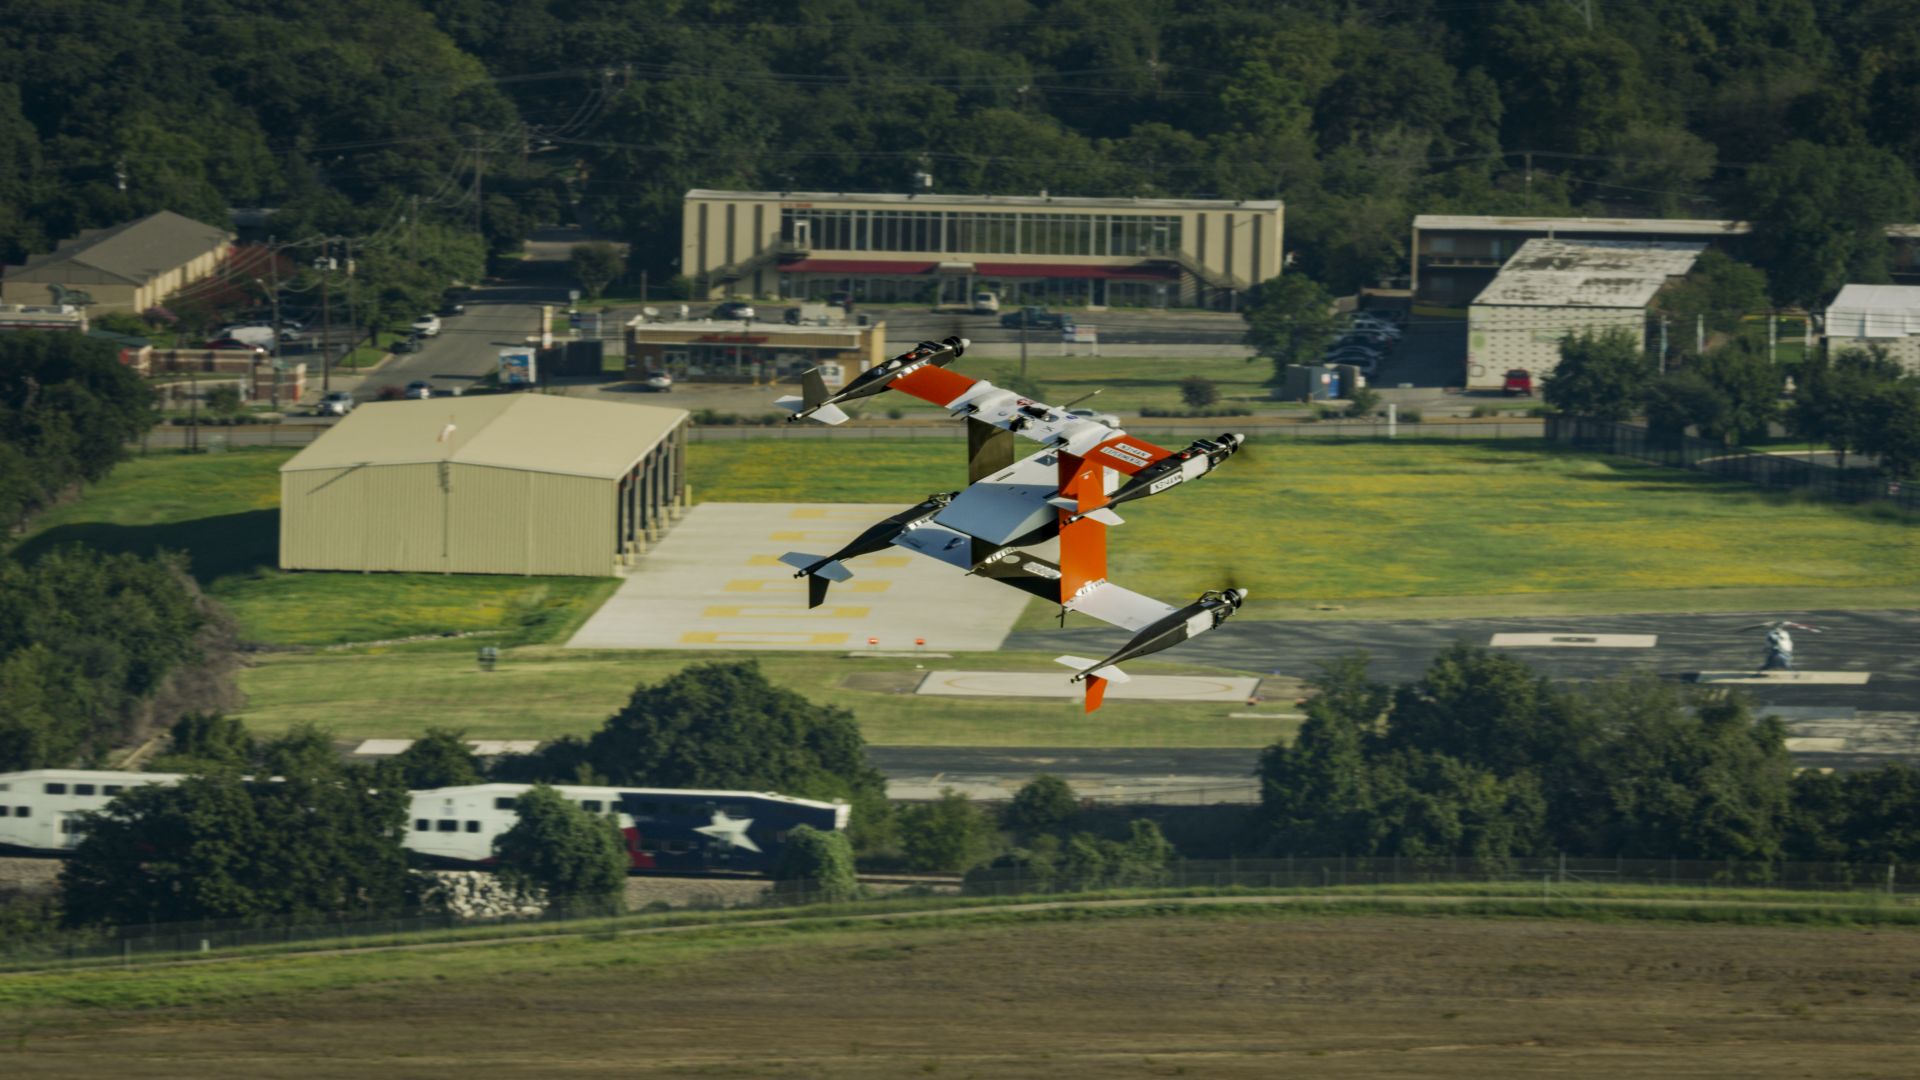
(1519, 381)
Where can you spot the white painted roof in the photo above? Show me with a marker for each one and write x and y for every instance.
(1588, 273)
(1875, 311)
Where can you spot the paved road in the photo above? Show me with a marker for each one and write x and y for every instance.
(1880, 642)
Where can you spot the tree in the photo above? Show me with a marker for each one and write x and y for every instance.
(206, 742)
(1198, 391)
(816, 865)
(595, 266)
(1315, 795)
(723, 725)
(1890, 426)
(1719, 289)
(1602, 375)
(1831, 396)
(1362, 402)
(1436, 805)
(1820, 214)
(563, 851)
(224, 400)
(1871, 816)
(949, 833)
(1290, 319)
(1731, 394)
(440, 758)
(1042, 804)
(309, 844)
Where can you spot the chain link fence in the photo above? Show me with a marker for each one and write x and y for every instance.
(1781, 470)
(187, 940)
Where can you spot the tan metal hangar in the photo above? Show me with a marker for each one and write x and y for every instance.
(497, 484)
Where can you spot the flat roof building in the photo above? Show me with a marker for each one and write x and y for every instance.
(1877, 316)
(129, 267)
(1456, 256)
(498, 484)
(940, 249)
(1552, 288)
(725, 350)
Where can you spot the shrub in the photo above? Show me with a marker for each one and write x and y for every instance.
(816, 863)
(1198, 391)
(1045, 802)
(1483, 410)
(1410, 416)
(1362, 402)
(1216, 410)
(223, 400)
(949, 834)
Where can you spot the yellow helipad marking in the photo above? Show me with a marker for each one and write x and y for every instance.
(868, 586)
(760, 585)
(825, 536)
(745, 611)
(794, 638)
(867, 562)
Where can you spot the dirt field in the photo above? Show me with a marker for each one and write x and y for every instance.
(1207, 996)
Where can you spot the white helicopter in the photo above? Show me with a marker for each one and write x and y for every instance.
(1779, 642)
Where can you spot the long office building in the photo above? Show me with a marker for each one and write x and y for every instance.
(941, 249)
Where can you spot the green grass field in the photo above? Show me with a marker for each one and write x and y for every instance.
(546, 692)
(1321, 530)
(1127, 384)
(222, 511)
(1374, 526)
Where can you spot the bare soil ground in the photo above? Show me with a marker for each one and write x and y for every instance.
(1207, 996)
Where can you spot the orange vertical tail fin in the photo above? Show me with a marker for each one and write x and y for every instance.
(1096, 691)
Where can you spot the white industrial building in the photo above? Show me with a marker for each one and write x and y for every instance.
(1877, 316)
(1550, 289)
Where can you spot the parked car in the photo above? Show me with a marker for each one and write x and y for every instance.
(986, 303)
(1517, 382)
(1037, 318)
(427, 325)
(450, 308)
(410, 343)
(732, 309)
(843, 300)
(338, 403)
(656, 382)
(419, 390)
(1097, 417)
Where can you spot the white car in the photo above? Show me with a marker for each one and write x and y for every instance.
(1106, 418)
(427, 325)
(658, 382)
(338, 403)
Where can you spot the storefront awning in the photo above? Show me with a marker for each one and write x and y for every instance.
(855, 266)
(1138, 272)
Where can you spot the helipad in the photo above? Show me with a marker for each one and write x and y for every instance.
(1048, 684)
(716, 582)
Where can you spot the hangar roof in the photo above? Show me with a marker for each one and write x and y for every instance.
(1875, 311)
(532, 432)
(1588, 273)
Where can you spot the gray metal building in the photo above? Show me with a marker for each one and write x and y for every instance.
(1552, 288)
(501, 484)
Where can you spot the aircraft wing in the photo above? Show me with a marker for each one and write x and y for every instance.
(938, 542)
(1124, 608)
(980, 400)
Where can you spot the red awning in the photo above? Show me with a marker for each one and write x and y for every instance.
(855, 266)
(1138, 272)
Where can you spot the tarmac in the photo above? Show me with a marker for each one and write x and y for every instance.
(716, 582)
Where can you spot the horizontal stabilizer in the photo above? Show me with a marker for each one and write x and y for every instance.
(1082, 663)
(791, 403)
(828, 414)
(832, 571)
(1105, 517)
(1063, 503)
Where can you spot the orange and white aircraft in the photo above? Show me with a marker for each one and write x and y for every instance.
(1067, 490)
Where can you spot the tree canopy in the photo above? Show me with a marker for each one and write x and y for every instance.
(560, 849)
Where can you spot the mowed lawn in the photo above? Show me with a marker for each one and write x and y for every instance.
(546, 692)
(1310, 524)
(223, 512)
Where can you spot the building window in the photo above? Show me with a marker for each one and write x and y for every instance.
(112, 789)
(83, 789)
(505, 802)
(3, 811)
(422, 825)
(56, 789)
(23, 811)
(473, 826)
(447, 825)
(591, 806)
(1440, 245)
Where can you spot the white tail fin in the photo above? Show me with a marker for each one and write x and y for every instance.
(1080, 664)
(832, 571)
(791, 403)
(826, 414)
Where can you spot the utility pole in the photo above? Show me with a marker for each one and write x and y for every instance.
(193, 408)
(326, 318)
(1700, 333)
(273, 294)
(1773, 334)
(1529, 174)
(479, 203)
(1663, 344)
